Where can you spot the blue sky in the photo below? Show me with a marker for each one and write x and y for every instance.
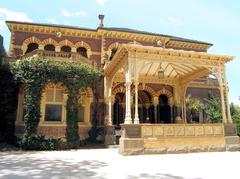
(214, 21)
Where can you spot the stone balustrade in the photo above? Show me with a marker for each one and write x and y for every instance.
(181, 130)
(59, 56)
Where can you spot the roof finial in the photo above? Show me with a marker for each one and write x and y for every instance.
(101, 17)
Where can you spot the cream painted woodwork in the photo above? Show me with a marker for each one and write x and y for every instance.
(141, 64)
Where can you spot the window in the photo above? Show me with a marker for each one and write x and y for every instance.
(80, 114)
(31, 47)
(49, 47)
(81, 106)
(82, 51)
(54, 104)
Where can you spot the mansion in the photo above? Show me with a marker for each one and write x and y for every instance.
(147, 77)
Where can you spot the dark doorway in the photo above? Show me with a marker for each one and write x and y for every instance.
(164, 110)
(118, 111)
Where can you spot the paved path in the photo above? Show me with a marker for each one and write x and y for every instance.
(107, 163)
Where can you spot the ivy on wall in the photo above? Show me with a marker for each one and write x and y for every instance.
(35, 73)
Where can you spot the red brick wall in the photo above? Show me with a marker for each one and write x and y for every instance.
(202, 93)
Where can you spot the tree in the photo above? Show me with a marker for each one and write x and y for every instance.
(8, 99)
(2, 50)
(213, 109)
(235, 113)
(193, 105)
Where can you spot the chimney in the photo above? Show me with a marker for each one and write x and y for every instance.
(101, 17)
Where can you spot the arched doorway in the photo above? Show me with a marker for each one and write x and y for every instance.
(49, 47)
(66, 49)
(31, 47)
(164, 113)
(145, 107)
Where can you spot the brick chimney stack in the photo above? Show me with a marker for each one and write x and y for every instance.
(101, 17)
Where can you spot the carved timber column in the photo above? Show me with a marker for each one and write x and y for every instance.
(229, 118)
(171, 104)
(217, 71)
(177, 103)
(128, 119)
(136, 118)
(184, 114)
(155, 104)
(110, 102)
(136, 83)
(147, 111)
(223, 104)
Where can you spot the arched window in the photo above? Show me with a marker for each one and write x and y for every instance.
(31, 47)
(114, 50)
(65, 49)
(49, 47)
(82, 51)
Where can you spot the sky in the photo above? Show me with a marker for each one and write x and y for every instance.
(215, 21)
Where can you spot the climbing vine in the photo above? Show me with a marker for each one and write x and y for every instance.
(35, 73)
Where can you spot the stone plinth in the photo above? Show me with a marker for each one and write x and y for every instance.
(177, 138)
(110, 138)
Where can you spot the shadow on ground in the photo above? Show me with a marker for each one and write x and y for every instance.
(156, 176)
(27, 165)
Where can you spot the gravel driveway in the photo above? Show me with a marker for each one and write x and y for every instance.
(107, 163)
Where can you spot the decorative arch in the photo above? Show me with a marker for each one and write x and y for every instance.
(28, 41)
(57, 85)
(164, 91)
(85, 45)
(113, 45)
(120, 89)
(49, 41)
(145, 98)
(66, 43)
(147, 89)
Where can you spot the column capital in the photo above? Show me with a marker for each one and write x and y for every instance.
(57, 48)
(73, 49)
(107, 98)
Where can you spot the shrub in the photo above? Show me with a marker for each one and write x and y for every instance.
(40, 143)
(235, 112)
(213, 109)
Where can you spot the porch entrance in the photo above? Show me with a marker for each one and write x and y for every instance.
(146, 109)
